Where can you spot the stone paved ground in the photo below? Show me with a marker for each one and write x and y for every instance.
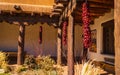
(77, 70)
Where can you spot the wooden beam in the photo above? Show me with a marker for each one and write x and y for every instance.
(101, 5)
(91, 14)
(59, 5)
(70, 54)
(81, 23)
(117, 36)
(20, 57)
(99, 9)
(57, 10)
(65, 2)
(111, 2)
(27, 18)
(55, 13)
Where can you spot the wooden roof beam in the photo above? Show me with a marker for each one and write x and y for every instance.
(111, 2)
(94, 11)
(65, 2)
(99, 9)
(100, 5)
(59, 5)
(92, 14)
(57, 10)
(81, 23)
(54, 13)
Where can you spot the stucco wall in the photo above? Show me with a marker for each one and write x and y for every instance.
(9, 39)
(97, 25)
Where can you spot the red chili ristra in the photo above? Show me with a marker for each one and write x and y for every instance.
(86, 28)
(64, 33)
(40, 35)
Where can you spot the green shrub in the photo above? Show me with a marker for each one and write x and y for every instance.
(3, 62)
(20, 68)
(45, 62)
(30, 62)
(40, 63)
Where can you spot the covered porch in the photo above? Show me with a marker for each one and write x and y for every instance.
(25, 18)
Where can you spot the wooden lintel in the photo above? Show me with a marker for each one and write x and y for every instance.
(27, 19)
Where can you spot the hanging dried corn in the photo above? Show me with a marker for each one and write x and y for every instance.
(86, 28)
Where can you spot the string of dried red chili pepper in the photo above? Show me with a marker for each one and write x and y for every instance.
(40, 35)
(64, 33)
(86, 28)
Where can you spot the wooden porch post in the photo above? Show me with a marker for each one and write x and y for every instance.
(117, 36)
(59, 46)
(21, 37)
(70, 57)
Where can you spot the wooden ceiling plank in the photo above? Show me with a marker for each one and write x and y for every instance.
(100, 5)
(111, 2)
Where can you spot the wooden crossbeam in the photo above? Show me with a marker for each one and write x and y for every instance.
(27, 19)
(58, 6)
(101, 5)
(91, 14)
(103, 1)
(65, 2)
(57, 10)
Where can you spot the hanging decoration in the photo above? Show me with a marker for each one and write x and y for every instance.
(86, 28)
(64, 33)
(40, 35)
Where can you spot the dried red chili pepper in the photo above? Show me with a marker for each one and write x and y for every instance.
(64, 33)
(86, 28)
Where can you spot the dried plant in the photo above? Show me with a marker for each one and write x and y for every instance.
(90, 69)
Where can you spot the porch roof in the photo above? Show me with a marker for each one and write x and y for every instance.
(25, 8)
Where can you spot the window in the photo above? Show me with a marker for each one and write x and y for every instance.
(108, 37)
